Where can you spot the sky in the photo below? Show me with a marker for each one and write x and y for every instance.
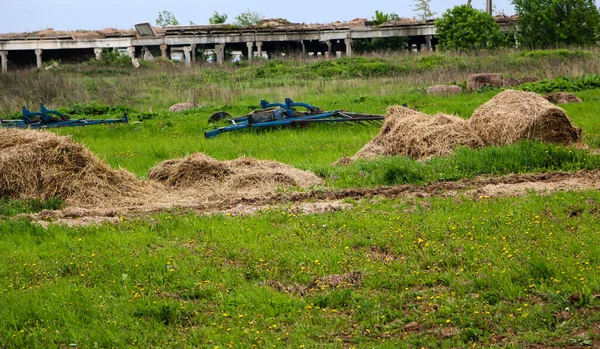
(18, 16)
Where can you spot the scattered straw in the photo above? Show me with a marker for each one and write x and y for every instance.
(244, 175)
(417, 135)
(512, 116)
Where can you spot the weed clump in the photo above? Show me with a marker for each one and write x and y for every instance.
(512, 116)
(410, 133)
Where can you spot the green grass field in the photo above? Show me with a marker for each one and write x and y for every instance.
(392, 273)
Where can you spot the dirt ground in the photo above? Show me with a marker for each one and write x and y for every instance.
(320, 201)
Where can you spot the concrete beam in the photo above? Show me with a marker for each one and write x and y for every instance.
(250, 46)
(259, 48)
(98, 53)
(348, 43)
(4, 63)
(38, 57)
(186, 53)
(220, 51)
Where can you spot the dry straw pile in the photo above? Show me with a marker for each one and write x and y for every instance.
(444, 90)
(512, 116)
(562, 98)
(41, 165)
(417, 135)
(244, 175)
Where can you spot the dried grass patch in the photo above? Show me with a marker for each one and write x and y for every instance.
(562, 98)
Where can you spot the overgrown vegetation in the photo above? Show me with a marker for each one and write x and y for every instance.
(566, 84)
(465, 28)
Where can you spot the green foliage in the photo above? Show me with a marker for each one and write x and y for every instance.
(423, 9)
(14, 207)
(112, 58)
(563, 84)
(95, 109)
(217, 18)
(464, 28)
(248, 18)
(380, 44)
(166, 18)
(380, 17)
(548, 23)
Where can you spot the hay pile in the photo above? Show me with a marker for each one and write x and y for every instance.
(512, 116)
(444, 90)
(477, 81)
(42, 165)
(244, 175)
(417, 135)
(562, 98)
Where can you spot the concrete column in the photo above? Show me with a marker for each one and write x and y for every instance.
(348, 43)
(193, 46)
(250, 46)
(329, 46)
(38, 57)
(186, 53)
(428, 43)
(163, 50)
(131, 51)
(4, 59)
(147, 55)
(303, 47)
(488, 7)
(98, 52)
(259, 48)
(220, 51)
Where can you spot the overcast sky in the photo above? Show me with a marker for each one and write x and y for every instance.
(32, 15)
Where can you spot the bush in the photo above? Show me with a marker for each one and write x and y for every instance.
(563, 84)
(465, 28)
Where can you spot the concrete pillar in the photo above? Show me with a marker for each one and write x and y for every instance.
(338, 54)
(163, 50)
(220, 51)
(303, 47)
(98, 52)
(348, 43)
(38, 57)
(488, 7)
(193, 46)
(186, 53)
(329, 46)
(250, 46)
(428, 43)
(4, 59)
(131, 51)
(147, 55)
(259, 48)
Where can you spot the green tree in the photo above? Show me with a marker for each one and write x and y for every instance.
(547, 23)
(423, 9)
(465, 28)
(166, 18)
(380, 18)
(217, 18)
(248, 18)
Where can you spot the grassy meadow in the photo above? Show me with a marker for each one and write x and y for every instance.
(392, 273)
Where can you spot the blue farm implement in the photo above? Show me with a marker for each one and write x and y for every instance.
(51, 118)
(283, 114)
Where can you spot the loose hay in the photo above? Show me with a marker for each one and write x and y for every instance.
(444, 90)
(512, 116)
(417, 135)
(244, 175)
(175, 108)
(562, 98)
(42, 165)
(477, 81)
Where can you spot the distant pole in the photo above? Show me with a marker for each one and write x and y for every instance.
(488, 6)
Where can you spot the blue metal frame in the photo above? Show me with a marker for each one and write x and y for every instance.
(291, 117)
(45, 120)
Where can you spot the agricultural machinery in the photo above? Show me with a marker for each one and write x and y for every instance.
(52, 118)
(282, 114)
